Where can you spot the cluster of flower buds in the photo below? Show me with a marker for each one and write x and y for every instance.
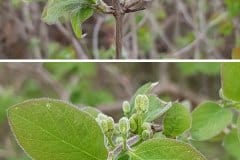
(106, 123)
(146, 131)
(137, 125)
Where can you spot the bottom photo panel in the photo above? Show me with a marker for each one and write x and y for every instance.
(120, 111)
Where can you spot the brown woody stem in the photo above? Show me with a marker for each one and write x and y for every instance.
(119, 27)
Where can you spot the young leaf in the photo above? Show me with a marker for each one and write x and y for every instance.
(78, 18)
(165, 149)
(176, 121)
(232, 144)
(208, 120)
(230, 81)
(155, 108)
(56, 9)
(52, 129)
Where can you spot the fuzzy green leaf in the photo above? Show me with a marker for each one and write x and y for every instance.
(56, 130)
(57, 9)
(155, 108)
(208, 120)
(78, 18)
(230, 81)
(176, 121)
(232, 144)
(165, 149)
(92, 111)
(238, 127)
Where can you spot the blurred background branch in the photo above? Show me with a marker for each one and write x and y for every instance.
(166, 29)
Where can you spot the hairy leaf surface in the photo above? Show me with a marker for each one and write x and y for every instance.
(78, 18)
(165, 149)
(230, 81)
(176, 121)
(56, 130)
(208, 120)
(232, 144)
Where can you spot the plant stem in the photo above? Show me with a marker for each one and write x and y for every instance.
(139, 122)
(111, 142)
(125, 144)
(133, 140)
(119, 27)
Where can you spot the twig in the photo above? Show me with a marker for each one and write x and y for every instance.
(96, 30)
(77, 46)
(130, 142)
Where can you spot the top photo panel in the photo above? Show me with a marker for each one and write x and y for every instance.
(119, 29)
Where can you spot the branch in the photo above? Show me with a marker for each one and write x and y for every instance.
(40, 74)
(119, 14)
(130, 142)
(78, 48)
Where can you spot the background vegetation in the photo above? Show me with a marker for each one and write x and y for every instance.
(166, 29)
(105, 86)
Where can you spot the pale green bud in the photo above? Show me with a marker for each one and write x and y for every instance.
(146, 126)
(146, 134)
(142, 103)
(133, 123)
(124, 125)
(104, 125)
(126, 107)
(110, 123)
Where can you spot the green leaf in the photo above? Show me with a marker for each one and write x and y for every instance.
(123, 156)
(211, 150)
(145, 89)
(230, 81)
(155, 109)
(92, 111)
(233, 7)
(232, 144)
(238, 127)
(78, 18)
(176, 121)
(165, 149)
(52, 129)
(208, 120)
(57, 9)
(192, 69)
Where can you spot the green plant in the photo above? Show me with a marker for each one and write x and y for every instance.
(79, 11)
(53, 129)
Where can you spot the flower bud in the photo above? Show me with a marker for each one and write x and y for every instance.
(124, 125)
(110, 123)
(133, 123)
(142, 103)
(126, 107)
(104, 125)
(146, 134)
